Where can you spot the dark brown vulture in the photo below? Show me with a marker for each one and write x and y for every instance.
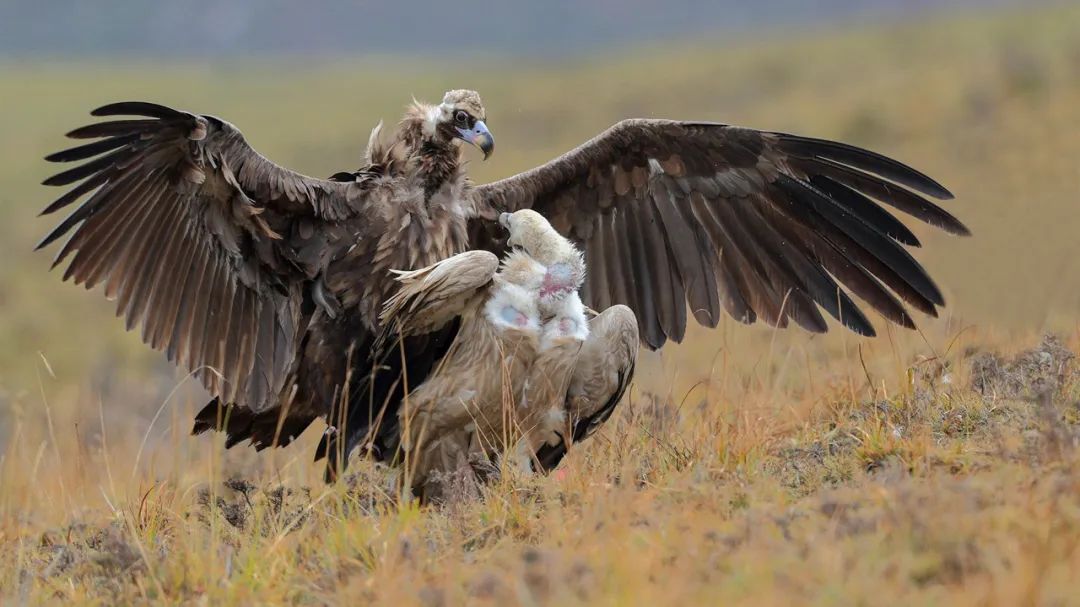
(268, 284)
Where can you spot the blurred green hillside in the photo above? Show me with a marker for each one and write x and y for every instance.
(988, 104)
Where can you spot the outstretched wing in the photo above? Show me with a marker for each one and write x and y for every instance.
(182, 225)
(760, 224)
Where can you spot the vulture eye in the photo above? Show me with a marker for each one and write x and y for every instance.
(462, 117)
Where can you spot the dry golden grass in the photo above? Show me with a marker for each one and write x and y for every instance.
(748, 465)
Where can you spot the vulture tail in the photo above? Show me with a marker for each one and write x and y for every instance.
(240, 424)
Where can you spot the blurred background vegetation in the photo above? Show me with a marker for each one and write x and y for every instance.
(985, 100)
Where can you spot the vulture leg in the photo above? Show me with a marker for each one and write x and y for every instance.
(604, 370)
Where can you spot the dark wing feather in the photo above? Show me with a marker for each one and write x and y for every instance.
(175, 222)
(760, 224)
(549, 456)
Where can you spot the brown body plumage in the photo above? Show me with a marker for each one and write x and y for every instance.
(267, 283)
(467, 410)
(464, 413)
(602, 371)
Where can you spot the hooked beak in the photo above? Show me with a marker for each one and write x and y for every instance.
(479, 136)
(504, 221)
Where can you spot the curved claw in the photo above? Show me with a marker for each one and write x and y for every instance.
(325, 299)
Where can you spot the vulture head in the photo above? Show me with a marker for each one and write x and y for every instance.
(531, 233)
(460, 117)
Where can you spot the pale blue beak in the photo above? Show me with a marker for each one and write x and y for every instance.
(479, 136)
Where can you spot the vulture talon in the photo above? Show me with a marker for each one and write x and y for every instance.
(326, 300)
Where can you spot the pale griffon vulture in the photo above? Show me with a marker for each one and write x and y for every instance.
(582, 367)
(269, 283)
(472, 406)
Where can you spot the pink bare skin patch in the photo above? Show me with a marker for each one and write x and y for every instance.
(513, 316)
(553, 290)
(558, 282)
